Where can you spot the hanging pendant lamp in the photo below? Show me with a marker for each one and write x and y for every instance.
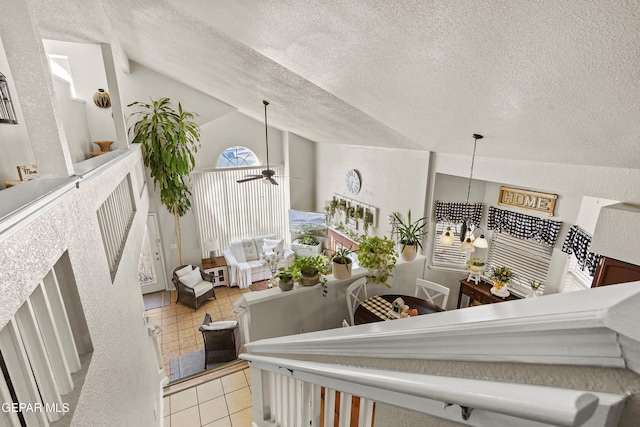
(466, 236)
(447, 237)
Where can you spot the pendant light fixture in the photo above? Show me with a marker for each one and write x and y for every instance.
(447, 237)
(466, 236)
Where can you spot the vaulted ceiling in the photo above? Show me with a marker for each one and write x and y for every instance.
(543, 80)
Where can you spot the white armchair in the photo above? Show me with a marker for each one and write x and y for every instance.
(246, 262)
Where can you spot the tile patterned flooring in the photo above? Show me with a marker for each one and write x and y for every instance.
(217, 399)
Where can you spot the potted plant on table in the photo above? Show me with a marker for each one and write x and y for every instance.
(411, 235)
(342, 263)
(501, 277)
(378, 255)
(285, 278)
(475, 265)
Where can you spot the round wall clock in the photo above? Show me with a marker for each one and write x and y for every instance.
(352, 180)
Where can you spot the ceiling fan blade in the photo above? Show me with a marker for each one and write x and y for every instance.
(272, 181)
(250, 178)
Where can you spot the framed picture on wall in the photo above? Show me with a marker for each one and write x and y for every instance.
(27, 172)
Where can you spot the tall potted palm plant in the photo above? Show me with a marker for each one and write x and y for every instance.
(169, 141)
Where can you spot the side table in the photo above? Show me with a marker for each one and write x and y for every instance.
(218, 269)
(481, 293)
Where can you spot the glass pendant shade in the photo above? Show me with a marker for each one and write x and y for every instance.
(447, 237)
(467, 245)
(481, 242)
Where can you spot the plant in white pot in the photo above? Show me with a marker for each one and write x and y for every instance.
(342, 263)
(475, 265)
(411, 235)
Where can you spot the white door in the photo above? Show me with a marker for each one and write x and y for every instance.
(151, 273)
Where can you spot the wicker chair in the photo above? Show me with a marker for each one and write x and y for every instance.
(220, 345)
(193, 297)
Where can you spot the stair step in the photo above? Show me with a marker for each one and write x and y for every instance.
(206, 376)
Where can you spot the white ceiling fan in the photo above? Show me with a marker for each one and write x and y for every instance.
(267, 174)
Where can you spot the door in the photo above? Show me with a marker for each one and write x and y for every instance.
(611, 271)
(151, 272)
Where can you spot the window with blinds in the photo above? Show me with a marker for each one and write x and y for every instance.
(228, 210)
(448, 256)
(529, 260)
(575, 278)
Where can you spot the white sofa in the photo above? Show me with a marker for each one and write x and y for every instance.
(245, 260)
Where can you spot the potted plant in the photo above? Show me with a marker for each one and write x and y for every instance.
(285, 278)
(169, 141)
(475, 265)
(501, 277)
(378, 255)
(307, 269)
(306, 246)
(342, 263)
(367, 220)
(411, 235)
(535, 288)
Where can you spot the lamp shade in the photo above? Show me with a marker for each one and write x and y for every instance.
(467, 245)
(447, 237)
(211, 245)
(481, 242)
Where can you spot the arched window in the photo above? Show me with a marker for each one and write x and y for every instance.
(234, 157)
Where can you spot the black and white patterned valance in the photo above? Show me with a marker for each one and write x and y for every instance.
(577, 243)
(524, 226)
(457, 212)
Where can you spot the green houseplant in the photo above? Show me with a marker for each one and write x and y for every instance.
(169, 140)
(342, 263)
(475, 265)
(378, 255)
(285, 277)
(411, 235)
(307, 269)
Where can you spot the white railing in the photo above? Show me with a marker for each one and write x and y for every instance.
(596, 328)
(114, 218)
(291, 389)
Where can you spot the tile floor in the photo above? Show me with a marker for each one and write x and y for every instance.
(180, 334)
(219, 402)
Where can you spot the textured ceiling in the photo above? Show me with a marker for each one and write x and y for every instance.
(541, 80)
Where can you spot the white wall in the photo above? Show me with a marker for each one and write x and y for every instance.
(122, 384)
(87, 69)
(393, 180)
(74, 122)
(302, 170)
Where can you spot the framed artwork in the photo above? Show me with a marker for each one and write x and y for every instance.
(27, 172)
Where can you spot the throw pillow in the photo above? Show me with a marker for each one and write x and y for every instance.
(217, 326)
(276, 245)
(192, 279)
(184, 270)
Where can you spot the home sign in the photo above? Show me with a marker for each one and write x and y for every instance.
(525, 199)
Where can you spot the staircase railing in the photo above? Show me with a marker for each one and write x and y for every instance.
(594, 329)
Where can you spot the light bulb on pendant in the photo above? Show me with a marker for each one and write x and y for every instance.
(481, 242)
(447, 237)
(467, 245)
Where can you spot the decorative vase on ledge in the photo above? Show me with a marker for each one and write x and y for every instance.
(104, 145)
(500, 289)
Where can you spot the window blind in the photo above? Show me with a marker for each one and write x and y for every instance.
(448, 256)
(228, 210)
(576, 278)
(528, 259)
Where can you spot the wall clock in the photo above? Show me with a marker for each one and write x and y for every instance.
(352, 180)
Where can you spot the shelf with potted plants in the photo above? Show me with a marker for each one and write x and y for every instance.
(351, 214)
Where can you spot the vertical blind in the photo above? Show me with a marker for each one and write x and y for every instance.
(228, 210)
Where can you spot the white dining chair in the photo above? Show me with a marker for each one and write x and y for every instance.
(430, 291)
(356, 293)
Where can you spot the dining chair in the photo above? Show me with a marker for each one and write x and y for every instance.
(355, 293)
(430, 291)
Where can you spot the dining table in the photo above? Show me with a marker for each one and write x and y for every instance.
(375, 309)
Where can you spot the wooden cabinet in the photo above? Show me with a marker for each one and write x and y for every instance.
(480, 293)
(611, 271)
(218, 269)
